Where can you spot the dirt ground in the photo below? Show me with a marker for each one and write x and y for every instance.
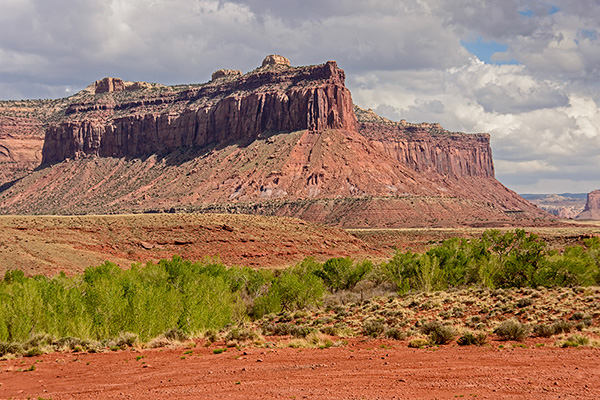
(362, 369)
(50, 244)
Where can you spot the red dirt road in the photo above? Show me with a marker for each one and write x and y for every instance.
(361, 370)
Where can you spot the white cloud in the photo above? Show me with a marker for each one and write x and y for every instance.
(541, 130)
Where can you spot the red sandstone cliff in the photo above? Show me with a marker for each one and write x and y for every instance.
(281, 140)
(275, 97)
(592, 206)
(428, 147)
(22, 136)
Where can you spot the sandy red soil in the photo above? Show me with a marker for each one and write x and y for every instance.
(363, 369)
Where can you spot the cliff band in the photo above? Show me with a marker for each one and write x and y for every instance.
(273, 98)
(278, 140)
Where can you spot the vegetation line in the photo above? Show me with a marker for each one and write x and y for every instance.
(188, 298)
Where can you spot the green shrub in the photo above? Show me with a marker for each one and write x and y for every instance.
(395, 333)
(291, 291)
(241, 334)
(418, 343)
(543, 330)
(176, 334)
(511, 330)
(498, 259)
(73, 344)
(437, 332)
(33, 352)
(297, 292)
(521, 255)
(343, 273)
(329, 330)
(576, 341)
(561, 326)
(11, 348)
(470, 339)
(373, 327)
(39, 340)
(126, 339)
(524, 302)
(286, 329)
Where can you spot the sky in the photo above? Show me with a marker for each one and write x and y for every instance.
(527, 72)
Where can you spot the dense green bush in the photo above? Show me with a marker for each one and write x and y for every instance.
(438, 333)
(106, 301)
(496, 260)
(293, 289)
(511, 330)
(343, 273)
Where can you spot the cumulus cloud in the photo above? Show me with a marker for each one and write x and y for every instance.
(540, 130)
(403, 59)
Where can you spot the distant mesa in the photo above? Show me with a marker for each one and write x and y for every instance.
(592, 206)
(564, 206)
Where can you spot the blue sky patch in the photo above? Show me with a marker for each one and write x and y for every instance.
(485, 49)
(589, 34)
(553, 10)
(528, 13)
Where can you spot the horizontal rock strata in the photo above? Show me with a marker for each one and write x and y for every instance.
(278, 135)
(273, 98)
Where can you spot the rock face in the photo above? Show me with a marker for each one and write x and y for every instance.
(278, 140)
(214, 113)
(429, 148)
(592, 206)
(225, 72)
(22, 125)
(275, 59)
(109, 85)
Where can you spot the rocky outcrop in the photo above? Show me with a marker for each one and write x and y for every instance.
(22, 125)
(109, 85)
(447, 154)
(219, 112)
(592, 206)
(225, 73)
(275, 59)
(113, 85)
